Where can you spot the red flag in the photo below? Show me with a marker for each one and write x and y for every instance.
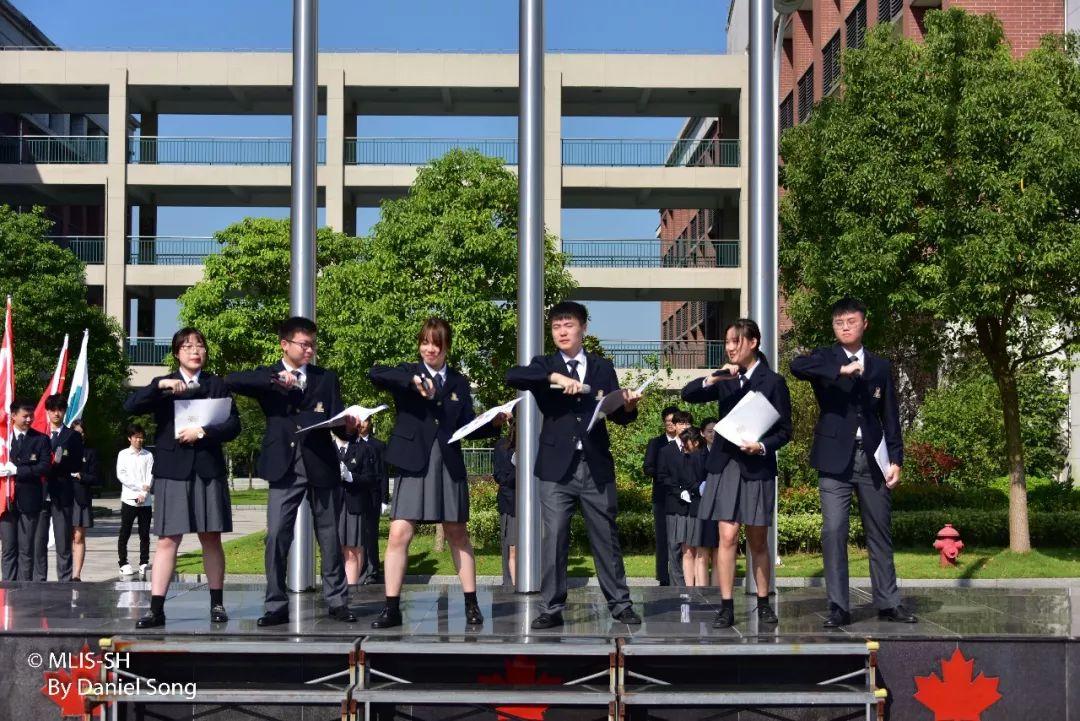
(56, 385)
(7, 397)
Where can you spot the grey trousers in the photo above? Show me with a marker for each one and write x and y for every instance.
(598, 506)
(62, 530)
(17, 536)
(372, 569)
(674, 552)
(282, 504)
(875, 503)
(663, 570)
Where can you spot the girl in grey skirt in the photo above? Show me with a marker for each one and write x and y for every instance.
(740, 481)
(680, 468)
(191, 490)
(431, 401)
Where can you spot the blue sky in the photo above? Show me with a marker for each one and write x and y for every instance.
(402, 25)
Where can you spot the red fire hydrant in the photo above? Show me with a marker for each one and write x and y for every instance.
(949, 543)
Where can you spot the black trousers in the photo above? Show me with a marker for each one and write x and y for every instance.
(128, 516)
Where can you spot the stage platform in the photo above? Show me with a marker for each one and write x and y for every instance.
(1022, 642)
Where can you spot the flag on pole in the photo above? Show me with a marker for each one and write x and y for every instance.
(56, 385)
(7, 397)
(80, 386)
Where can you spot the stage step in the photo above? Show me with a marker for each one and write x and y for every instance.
(709, 695)
(220, 694)
(453, 694)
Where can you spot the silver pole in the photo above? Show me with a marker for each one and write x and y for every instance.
(301, 576)
(530, 280)
(763, 179)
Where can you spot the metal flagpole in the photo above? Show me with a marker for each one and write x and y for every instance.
(530, 280)
(301, 576)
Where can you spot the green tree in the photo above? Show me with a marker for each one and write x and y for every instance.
(943, 187)
(47, 285)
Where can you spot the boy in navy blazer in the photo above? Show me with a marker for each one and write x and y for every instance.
(294, 394)
(67, 452)
(857, 400)
(575, 465)
(29, 453)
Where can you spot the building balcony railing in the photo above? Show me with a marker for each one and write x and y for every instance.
(651, 253)
(90, 249)
(707, 152)
(170, 249)
(685, 354)
(148, 351)
(479, 461)
(215, 151)
(420, 151)
(46, 149)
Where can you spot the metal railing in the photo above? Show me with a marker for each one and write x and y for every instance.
(708, 152)
(673, 353)
(479, 461)
(46, 149)
(420, 151)
(90, 249)
(170, 249)
(148, 351)
(214, 151)
(651, 253)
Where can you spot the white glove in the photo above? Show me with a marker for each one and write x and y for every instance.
(701, 489)
(685, 495)
(385, 509)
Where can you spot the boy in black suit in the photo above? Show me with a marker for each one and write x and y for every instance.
(378, 494)
(855, 392)
(659, 505)
(29, 454)
(67, 453)
(294, 394)
(574, 465)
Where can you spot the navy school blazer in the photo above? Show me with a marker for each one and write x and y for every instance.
(31, 468)
(67, 458)
(89, 476)
(181, 461)
(677, 472)
(505, 473)
(727, 394)
(420, 421)
(364, 459)
(846, 404)
(567, 417)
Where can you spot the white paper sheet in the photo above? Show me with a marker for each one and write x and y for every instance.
(749, 420)
(881, 455)
(613, 402)
(485, 417)
(357, 412)
(200, 412)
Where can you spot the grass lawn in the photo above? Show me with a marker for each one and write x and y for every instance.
(253, 497)
(245, 556)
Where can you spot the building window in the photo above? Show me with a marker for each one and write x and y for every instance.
(806, 94)
(855, 26)
(787, 112)
(889, 9)
(830, 65)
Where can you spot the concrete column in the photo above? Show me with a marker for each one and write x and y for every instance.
(553, 150)
(117, 217)
(335, 148)
(1074, 424)
(744, 199)
(148, 128)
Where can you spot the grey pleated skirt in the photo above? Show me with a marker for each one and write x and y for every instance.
(508, 529)
(352, 527)
(678, 528)
(704, 534)
(730, 497)
(82, 515)
(434, 498)
(201, 505)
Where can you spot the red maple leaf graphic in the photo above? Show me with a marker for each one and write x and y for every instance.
(520, 671)
(67, 695)
(956, 696)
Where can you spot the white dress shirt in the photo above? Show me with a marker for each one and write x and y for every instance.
(580, 358)
(861, 355)
(135, 471)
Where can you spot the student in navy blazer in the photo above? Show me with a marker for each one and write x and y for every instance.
(82, 516)
(67, 452)
(191, 484)
(294, 394)
(857, 401)
(432, 401)
(574, 465)
(740, 487)
(30, 453)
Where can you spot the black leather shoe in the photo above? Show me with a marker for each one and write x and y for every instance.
(766, 614)
(629, 617)
(272, 618)
(473, 616)
(217, 614)
(387, 619)
(897, 614)
(837, 619)
(151, 620)
(343, 614)
(547, 620)
(725, 618)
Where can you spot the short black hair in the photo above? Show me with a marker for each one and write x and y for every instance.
(847, 304)
(297, 324)
(668, 410)
(21, 404)
(180, 338)
(681, 416)
(78, 424)
(707, 421)
(568, 309)
(56, 402)
(134, 429)
(691, 435)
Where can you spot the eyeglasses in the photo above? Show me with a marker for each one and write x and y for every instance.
(192, 348)
(303, 346)
(847, 323)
